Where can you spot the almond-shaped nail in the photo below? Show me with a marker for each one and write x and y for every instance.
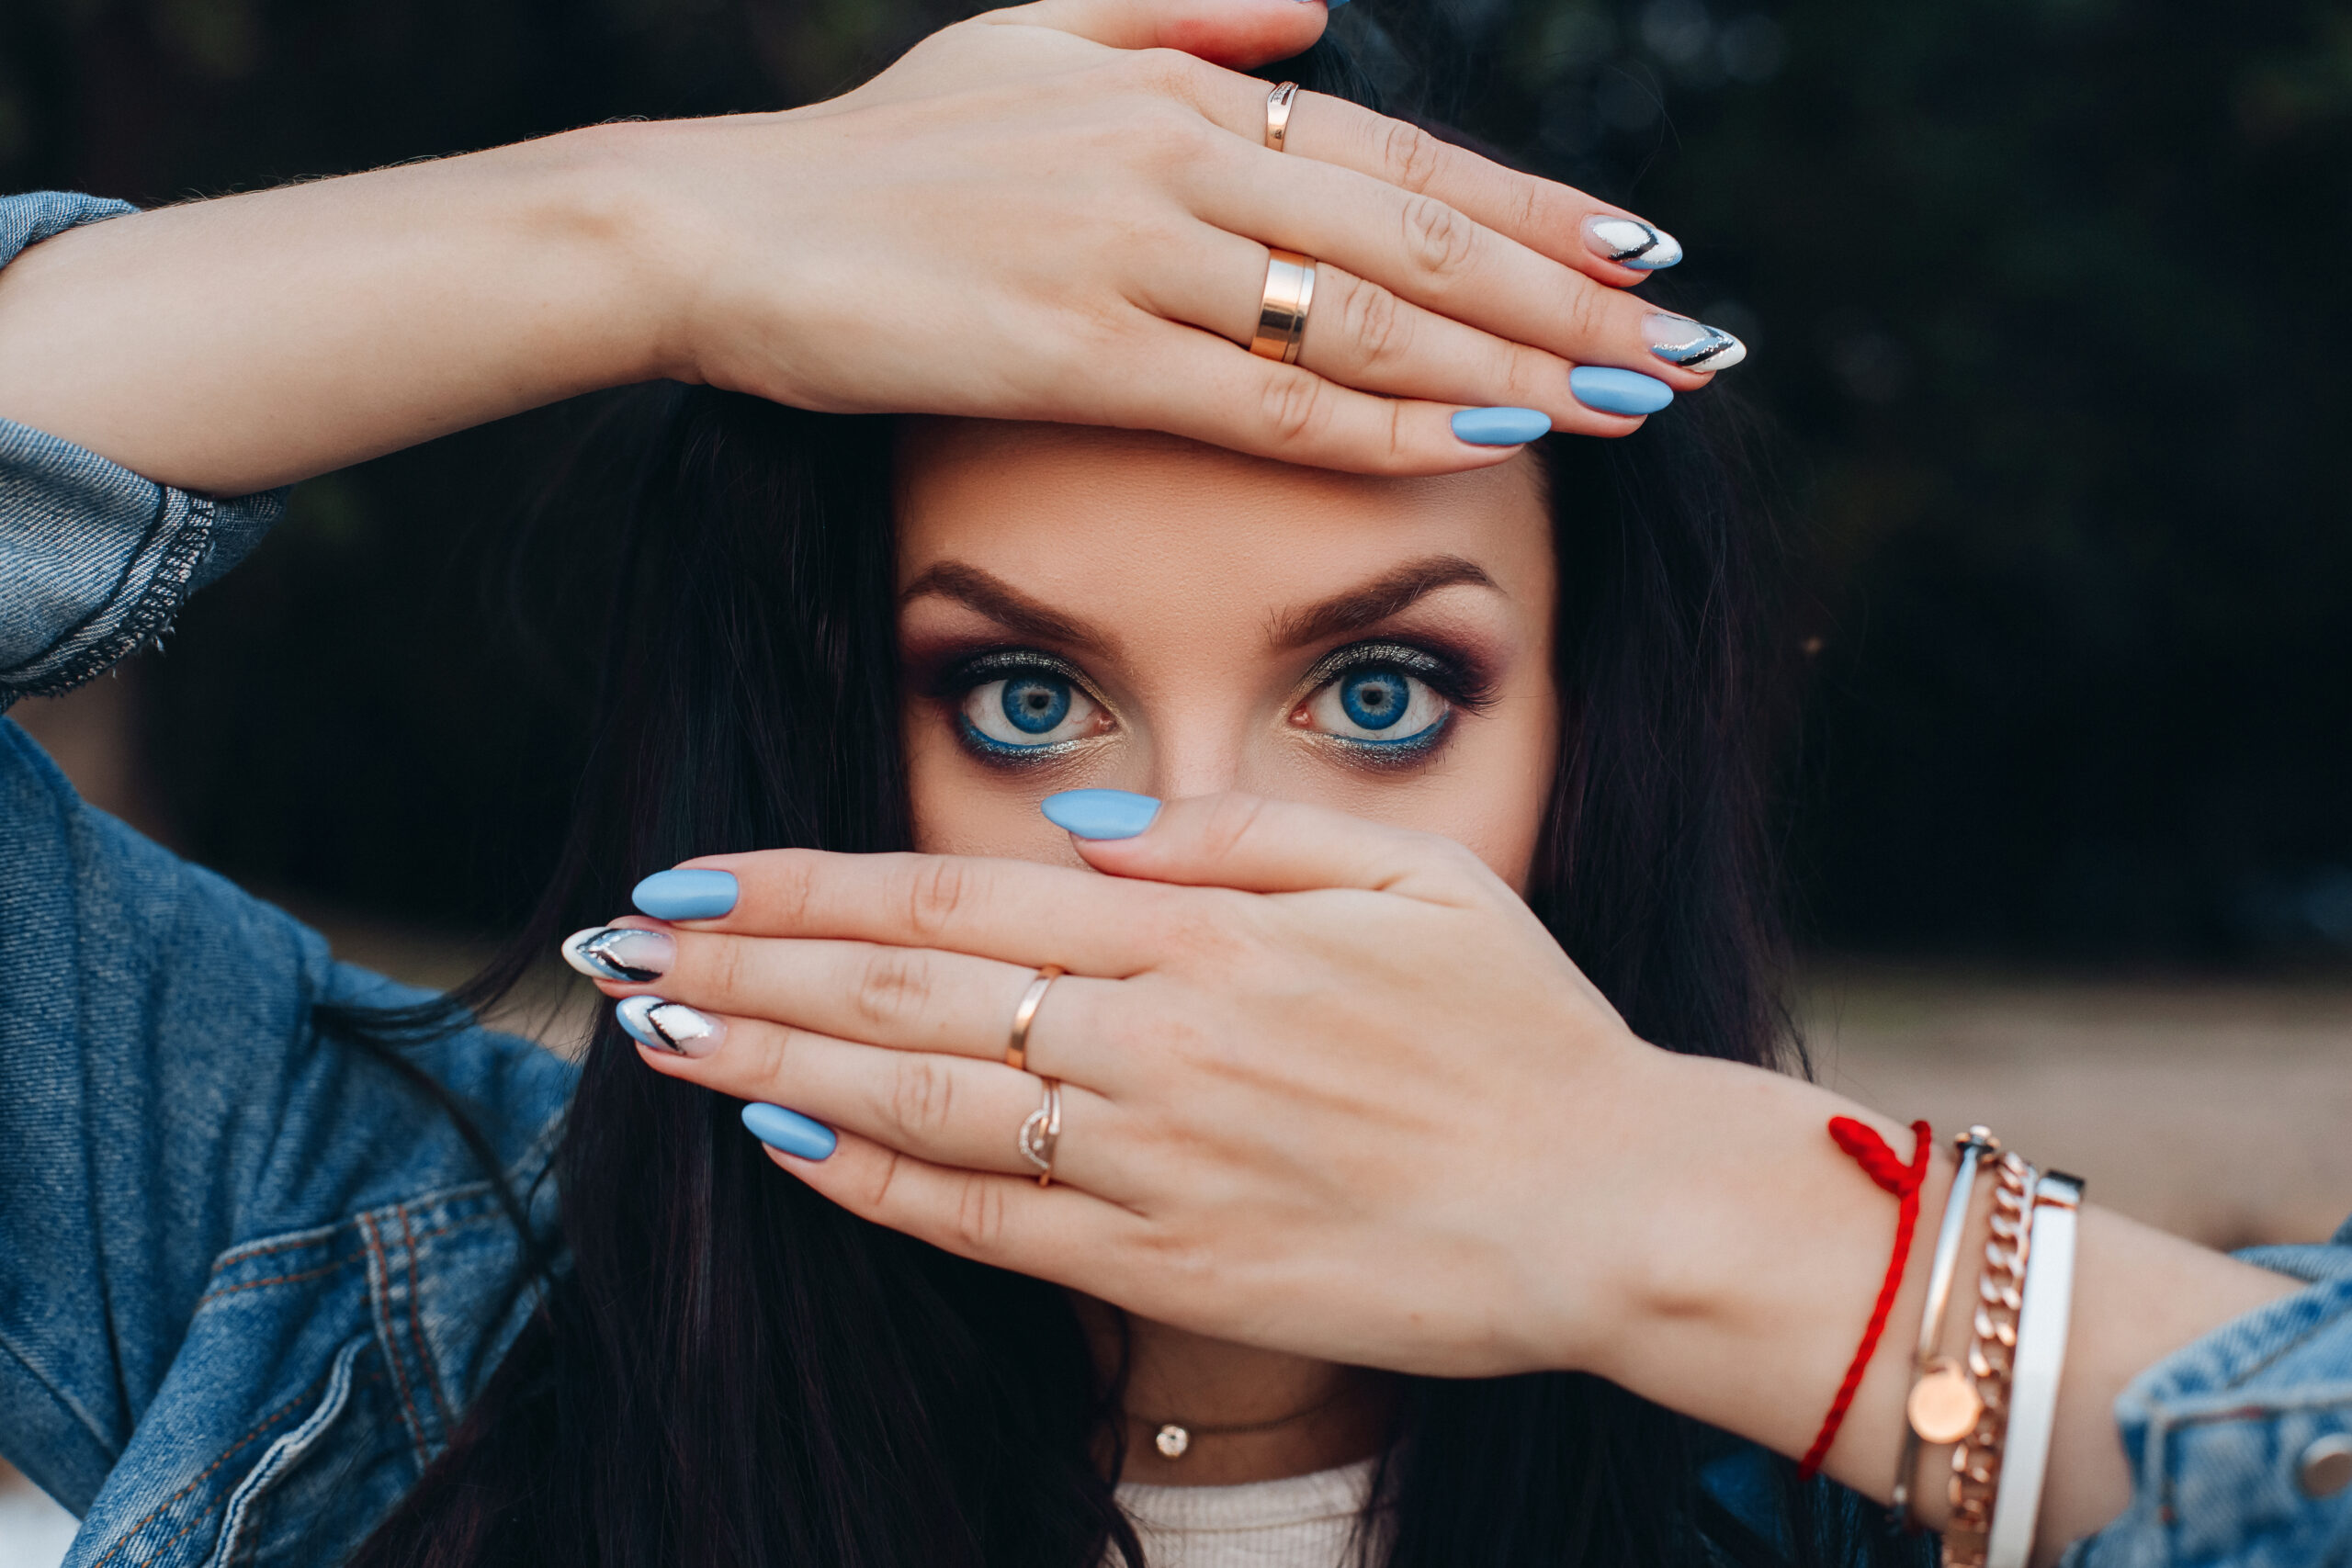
(1628, 242)
(1694, 345)
(616, 953)
(669, 1026)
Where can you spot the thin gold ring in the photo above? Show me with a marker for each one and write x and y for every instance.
(1042, 1133)
(1016, 1055)
(1278, 102)
(1282, 307)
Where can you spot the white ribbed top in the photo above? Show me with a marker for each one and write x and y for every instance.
(1302, 1522)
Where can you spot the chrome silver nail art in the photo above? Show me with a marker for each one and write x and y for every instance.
(1628, 242)
(610, 952)
(1694, 345)
(671, 1026)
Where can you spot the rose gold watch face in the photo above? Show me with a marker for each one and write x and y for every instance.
(1944, 1404)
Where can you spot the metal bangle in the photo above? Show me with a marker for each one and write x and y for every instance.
(1278, 102)
(2035, 1369)
(1942, 1406)
(1991, 1358)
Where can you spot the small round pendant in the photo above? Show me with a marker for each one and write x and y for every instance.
(1944, 1404)
(1172, 1441)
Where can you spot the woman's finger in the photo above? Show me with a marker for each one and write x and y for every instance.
(1362, 335)
(1240, 33)
(904, 999)
(1209, 390)
(944, 1109)
(1016, 911)
(1600, 240)
(1429, 253)
(1051, 1233)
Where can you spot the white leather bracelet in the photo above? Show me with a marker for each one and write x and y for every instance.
(2039, 1361)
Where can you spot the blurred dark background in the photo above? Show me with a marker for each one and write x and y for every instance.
(2045, 298)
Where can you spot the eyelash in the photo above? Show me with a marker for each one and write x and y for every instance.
(1459, 681)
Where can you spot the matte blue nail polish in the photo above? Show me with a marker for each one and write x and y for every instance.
(1099, 813)
(1500, 427)
(685, 894)
(1613, 390)
(790, 1131)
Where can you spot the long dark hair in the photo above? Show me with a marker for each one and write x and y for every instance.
(732, 1371)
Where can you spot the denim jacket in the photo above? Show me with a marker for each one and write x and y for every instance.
(248, 1283)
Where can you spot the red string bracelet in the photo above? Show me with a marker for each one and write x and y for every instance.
(1871, 1153)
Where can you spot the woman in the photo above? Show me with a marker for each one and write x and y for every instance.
(728, 1369)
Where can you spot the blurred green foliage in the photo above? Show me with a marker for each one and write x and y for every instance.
(2046, 298)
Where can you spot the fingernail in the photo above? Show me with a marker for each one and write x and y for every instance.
(1099, 813)
(1611, 391)
(696, 895)
(609, 952)
(1500, 427)
(790, 1131)
(1694, 345)
(1628, 242)
(669, 1026)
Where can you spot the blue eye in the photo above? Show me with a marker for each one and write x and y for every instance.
(1029, 711)
(1377, 706)
(1374, 699)
(1035, 704)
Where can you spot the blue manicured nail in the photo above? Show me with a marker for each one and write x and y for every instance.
(790, 1131)
(1618, 391)
(1499, 427)
(1099, 813)
(685, 894)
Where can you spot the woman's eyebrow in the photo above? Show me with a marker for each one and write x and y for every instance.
(1374, 602)
(1001, 601)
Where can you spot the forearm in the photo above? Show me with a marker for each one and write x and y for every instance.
(230, 345)
(1764, 1250)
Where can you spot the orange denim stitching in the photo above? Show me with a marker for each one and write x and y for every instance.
(424, 1368)
(267, 1422)
(391, 1349)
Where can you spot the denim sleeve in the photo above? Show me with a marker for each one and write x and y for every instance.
(2240, 1444)
(166, 1095)
(95, 560)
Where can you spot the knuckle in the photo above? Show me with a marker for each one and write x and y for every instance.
(939, 892)
(922, 1097)
(1296, 406)
(979, 1214)
(892, 985)
(1438, 239)
(1377, 323)
(1409, 157)
(1232, 819)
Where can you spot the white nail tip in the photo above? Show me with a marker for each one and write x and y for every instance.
(574, 953)
(1628, 242)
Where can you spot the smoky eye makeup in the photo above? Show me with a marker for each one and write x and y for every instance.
(1018, 705)
(1389, 704)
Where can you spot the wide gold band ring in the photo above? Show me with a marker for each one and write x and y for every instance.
(1281, 310)
(1278, 104)
(1016, 1053)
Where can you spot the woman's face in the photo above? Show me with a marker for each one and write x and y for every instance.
(1087, 608)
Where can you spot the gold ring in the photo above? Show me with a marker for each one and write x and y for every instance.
(1043, 1131)
(1281, 310)
(1278, 104)
(1016, 1055)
